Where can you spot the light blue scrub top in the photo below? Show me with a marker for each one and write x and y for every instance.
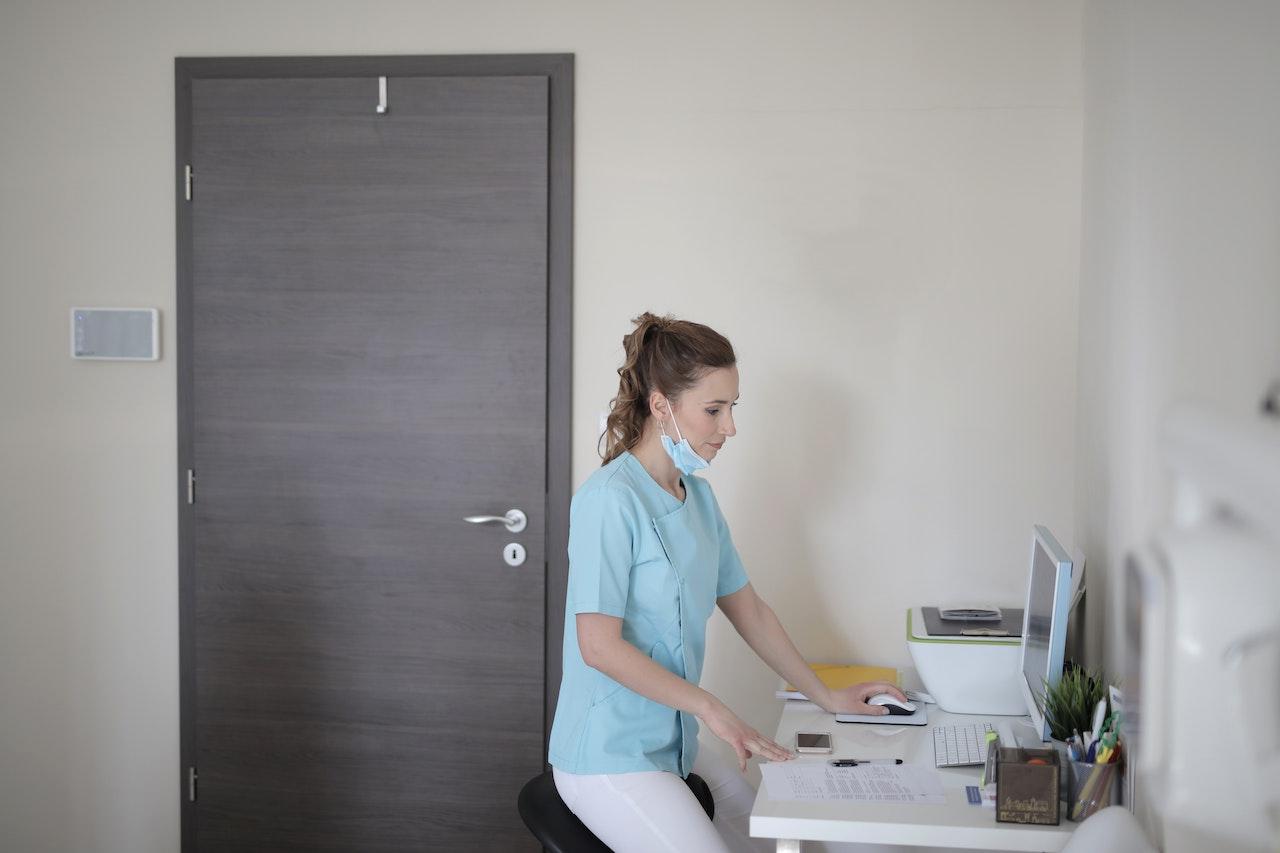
(637, 552)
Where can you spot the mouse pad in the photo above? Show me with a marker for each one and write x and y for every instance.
(919, 718)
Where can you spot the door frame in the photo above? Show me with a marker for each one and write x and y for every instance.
(558, 68)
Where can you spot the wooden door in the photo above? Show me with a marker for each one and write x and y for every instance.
(366, 338)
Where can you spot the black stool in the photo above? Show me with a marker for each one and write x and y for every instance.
(559, 829)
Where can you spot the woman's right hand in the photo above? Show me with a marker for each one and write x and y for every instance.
(745, 740)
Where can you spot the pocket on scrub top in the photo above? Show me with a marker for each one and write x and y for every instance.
(655, 588)
(606, 690)
(666, 658)
(651, 727)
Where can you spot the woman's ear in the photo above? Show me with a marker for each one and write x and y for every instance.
(658, 405)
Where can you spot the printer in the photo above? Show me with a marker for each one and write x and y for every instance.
(969, 668)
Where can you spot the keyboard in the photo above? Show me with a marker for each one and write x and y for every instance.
(960, 746)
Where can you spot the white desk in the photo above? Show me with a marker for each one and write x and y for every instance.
(956, 824)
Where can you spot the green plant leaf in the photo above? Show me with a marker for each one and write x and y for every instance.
(1069, 704)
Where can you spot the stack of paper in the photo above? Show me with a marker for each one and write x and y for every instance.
(838, 676)
(866, 783)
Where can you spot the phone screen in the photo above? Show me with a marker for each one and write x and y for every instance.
(813, 740)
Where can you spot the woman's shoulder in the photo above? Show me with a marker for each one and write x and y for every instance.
(614, 480)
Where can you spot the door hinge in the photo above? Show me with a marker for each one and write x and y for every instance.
(191, 784)
(191, 486)
(188, 179)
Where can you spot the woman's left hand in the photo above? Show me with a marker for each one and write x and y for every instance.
(853, 700)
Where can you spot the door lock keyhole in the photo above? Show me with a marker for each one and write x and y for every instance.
(514, 554)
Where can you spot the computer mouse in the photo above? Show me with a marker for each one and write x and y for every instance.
(894, 704)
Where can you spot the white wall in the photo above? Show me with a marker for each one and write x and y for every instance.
(1180, 279)
(877, 202)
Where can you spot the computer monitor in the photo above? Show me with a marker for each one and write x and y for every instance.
(1044, 623)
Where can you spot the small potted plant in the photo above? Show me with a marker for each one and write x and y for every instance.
(1069, 704)
(1068, 709)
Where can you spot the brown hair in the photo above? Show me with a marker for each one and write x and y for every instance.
(662, 354)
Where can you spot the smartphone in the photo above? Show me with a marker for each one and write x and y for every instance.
(813, 741)
(970, 614)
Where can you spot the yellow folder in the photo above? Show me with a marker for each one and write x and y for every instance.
(838, 676)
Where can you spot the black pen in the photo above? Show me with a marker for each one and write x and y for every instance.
(854, 762)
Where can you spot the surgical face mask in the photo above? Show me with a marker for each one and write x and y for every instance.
(681, 452)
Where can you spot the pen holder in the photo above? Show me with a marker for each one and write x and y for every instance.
(1027, 786)
(1093, 787)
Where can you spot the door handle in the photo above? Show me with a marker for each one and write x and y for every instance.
(515, 520)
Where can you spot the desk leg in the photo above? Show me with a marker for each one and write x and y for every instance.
(789, 845)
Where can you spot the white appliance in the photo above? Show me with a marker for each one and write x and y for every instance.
(1202, 604)
(967, 675)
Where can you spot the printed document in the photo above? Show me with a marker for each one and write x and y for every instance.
(866, 783)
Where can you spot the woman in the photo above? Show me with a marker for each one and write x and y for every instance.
(650, 556)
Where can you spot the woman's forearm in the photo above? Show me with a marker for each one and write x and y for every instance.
(636, 671)
(767, 638)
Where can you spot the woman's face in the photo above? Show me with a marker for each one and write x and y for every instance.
(705, 412)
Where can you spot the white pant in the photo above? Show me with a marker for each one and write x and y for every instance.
(656, 811)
